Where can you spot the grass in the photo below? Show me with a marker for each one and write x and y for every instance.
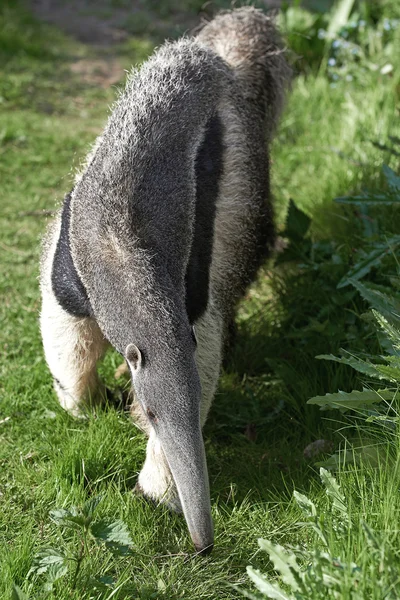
(260, 422)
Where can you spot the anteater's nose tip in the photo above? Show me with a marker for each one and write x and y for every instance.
(204, 550)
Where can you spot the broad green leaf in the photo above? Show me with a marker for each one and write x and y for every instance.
(45, 558)
(339, 16)
(54, 573)
(364, 266)
(284, 562)
(59, 515)
(90, 506)
(68, 518)
(297, 223)
(305, 504)
(271, 590)
(351, 400)
(333, 492)
(116, 532)
(357, 363)
(18, 594)
(392, 179)
(102, 584)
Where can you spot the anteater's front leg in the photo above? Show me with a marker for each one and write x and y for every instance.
(72, 348)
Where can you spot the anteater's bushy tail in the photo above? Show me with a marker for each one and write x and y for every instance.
(249, 42)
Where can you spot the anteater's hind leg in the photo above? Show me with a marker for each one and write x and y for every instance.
(72, 346)
(155, 480)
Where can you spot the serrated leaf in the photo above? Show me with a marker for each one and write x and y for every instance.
(102, 584)
(45, 558)
(305, 504)
(391, 332)
(351, 400)
(392, 179)
(59, 515)
(284, 562)
(333, 491)
(364, 266)
(68, 518)
(90, 506)
(357, 363)
(389, 373)
(54, 573)
(18, 594)
(394, 361)
(297, 223)
(116, 532)
(386, 305)
(271, 590)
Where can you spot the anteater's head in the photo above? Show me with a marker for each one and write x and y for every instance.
(167, 385)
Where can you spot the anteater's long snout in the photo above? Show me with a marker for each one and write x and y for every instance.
(184, 451)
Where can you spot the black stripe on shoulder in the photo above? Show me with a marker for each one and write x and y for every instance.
(209, 165)
(67, 286)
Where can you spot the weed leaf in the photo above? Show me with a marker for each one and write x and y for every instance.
(272, 590)
(18, 594)
(284, 561)
(45, 558)
(116, 532)
(333, 492)
(391, 333)
(364, 266)
(91, 505)
(68, 518)
(387, 305)
(358, 364)
(305, 504)
(351, 400)
(297, 223)
(59, 515)
(55, 572)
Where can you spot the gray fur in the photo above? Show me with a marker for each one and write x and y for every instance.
(131, 233)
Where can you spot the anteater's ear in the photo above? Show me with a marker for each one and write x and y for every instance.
(133, 357)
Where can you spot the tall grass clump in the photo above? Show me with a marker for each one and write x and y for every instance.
(353, 545)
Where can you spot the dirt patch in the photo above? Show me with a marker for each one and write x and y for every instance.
(96, 24)
(99, 71)
(89, 22)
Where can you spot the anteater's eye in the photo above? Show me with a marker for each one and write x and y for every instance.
(151, 415)
(194, 335)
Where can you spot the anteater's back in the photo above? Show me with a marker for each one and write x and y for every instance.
(248, 41)
(251, 45)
